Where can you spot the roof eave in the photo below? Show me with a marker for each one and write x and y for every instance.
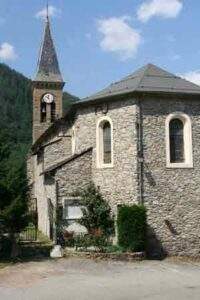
(134, 92)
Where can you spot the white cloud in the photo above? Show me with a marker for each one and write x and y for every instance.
(119, 37)
(193, 76)
(53, 12)
(159, 8)
(7, 52)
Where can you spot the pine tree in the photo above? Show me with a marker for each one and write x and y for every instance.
(13, 192)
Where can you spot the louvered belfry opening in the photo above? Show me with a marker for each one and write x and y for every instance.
(176, 131)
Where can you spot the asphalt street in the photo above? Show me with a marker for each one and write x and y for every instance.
(81, 279)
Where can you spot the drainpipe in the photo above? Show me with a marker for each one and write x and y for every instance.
(140, 156)
(56, 213)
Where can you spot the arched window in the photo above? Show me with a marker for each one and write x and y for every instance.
(43, 111)
(179, 141)
(104, 143)
(53, 111)
(107, 143)
(176, 132)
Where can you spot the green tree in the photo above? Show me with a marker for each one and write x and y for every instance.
(13, 193)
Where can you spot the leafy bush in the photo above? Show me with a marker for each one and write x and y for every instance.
(96, 213)
(86, 241)
(68, 238)
(131, 223)
(5, 247)
(114, 249)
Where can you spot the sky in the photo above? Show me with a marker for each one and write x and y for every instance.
(101, 41)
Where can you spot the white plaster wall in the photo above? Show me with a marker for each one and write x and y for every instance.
(39, 191)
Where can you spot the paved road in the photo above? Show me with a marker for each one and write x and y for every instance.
(79, 279)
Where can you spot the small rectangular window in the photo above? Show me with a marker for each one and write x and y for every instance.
(72, 210)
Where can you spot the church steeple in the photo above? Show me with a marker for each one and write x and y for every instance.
(47, 86)
(48, 66)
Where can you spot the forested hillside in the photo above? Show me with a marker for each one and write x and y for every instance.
(16, 109)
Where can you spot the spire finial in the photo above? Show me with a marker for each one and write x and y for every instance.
(47, 11)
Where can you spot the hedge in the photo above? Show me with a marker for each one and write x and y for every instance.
(131, 223)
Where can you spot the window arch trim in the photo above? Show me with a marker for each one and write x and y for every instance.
(73, 140)
(187, 140)
(99, 142)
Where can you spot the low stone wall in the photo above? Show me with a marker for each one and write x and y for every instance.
(136, 256)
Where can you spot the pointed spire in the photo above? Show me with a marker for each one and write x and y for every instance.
(48, 67)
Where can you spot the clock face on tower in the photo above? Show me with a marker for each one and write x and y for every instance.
(48, 98)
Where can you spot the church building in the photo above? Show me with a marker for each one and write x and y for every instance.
(138, 140)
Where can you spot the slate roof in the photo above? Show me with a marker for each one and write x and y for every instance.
(149, 78)
(48, 68)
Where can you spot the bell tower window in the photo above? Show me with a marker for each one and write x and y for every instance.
(43, 111)
(53, 111)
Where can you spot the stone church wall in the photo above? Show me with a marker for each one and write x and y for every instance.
(54, 148)
(74, 176)
(119, 183)
(57, 150)
(172, 196)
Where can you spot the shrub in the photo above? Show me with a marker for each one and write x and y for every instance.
(131, 223)
(69, 240)
(5, 247)
(86, 241)
(114, 249)
(96, 213)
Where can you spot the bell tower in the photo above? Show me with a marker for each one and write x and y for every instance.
(47, 86)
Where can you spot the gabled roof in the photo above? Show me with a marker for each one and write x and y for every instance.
(149, 78)
(48, 67)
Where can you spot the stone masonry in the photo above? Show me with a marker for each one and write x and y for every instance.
(172, 196)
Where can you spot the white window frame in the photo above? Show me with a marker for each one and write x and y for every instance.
(187, 140)
(73, 140)
(99, 142)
